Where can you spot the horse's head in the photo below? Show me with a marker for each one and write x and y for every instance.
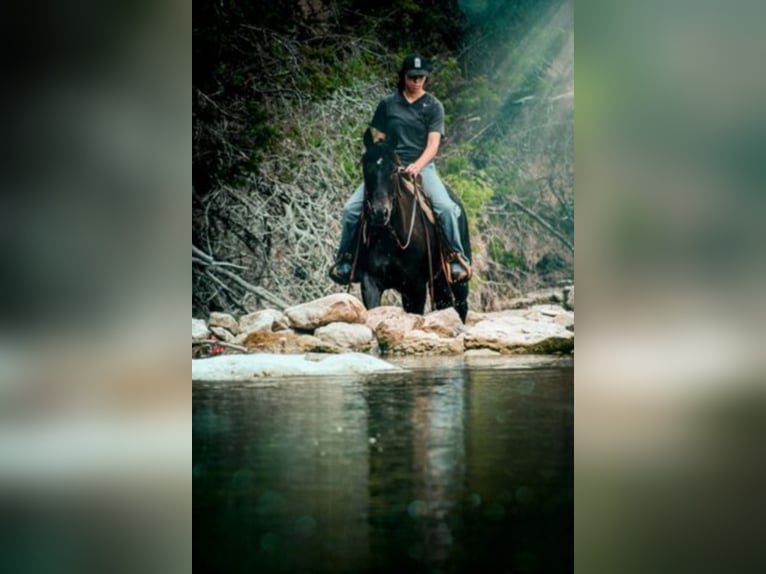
(378, 165)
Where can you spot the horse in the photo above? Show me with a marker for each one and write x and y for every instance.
(403, 248)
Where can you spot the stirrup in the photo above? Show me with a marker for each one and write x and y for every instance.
(465, 272)
(341, 270)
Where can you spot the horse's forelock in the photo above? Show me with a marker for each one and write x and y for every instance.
(378, 154)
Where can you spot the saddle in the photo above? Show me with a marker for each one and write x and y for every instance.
(416, 189)
(447, 256)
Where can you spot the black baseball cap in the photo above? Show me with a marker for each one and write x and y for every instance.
(416, 65)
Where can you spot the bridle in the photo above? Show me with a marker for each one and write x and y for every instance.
(396, 184)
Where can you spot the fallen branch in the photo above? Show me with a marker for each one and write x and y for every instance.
(260, 291)
(213, 265)
(544, 223)
(221, 343)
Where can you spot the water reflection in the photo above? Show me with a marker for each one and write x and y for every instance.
(417, 468)
(446, 470)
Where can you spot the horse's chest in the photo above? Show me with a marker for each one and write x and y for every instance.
(391, 267)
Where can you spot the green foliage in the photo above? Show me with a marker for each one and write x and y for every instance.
(469, 185)
(430, 26)
(550, 264)
(351, 168)
(509, 258)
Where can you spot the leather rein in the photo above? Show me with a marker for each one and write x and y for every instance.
(397, 181)
(397, 176)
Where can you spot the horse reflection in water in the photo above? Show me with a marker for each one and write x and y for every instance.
(438, 456)
(403, 247)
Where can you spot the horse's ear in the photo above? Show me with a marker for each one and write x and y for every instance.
(368, 138)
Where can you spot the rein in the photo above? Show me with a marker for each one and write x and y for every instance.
(398, 185)
(396, 176)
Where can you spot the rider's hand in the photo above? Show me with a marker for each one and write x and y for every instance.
(412, 170)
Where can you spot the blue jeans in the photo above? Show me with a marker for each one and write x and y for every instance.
(447, 212)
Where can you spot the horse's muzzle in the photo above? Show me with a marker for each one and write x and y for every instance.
(380, 217)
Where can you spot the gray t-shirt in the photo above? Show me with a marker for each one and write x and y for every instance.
(408, 124)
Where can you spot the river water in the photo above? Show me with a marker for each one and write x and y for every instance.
(447, 468)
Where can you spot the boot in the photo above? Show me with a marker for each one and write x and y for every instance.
(340, 272)
(459, 272)
(460, 269)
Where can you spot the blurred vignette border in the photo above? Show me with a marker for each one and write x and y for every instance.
(669, 399)
(95, 428)
(670, 133)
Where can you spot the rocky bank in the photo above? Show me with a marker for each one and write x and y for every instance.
(311, 333)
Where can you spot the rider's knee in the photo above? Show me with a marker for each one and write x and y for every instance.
(353, 209)
(446, 209)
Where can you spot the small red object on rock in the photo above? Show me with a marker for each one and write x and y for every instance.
(217, 349)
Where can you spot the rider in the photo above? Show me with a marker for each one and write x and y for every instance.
(414, 120)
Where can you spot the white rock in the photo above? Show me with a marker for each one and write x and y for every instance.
(200, 332)
(417, 342)
(515, 334)
(570, 297)
(513, 317)
(263, 320)
(379, 314)
(548, 310)
(338, 307)
(392, 330)
(223, 320)
(445, 322)
(251, 367)
(566, 320)
(348, 335)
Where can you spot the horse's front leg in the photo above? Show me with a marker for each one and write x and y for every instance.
(415, 300)
(371, 291)
(442, 293)
(460, 293)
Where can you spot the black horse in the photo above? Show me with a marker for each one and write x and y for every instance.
(403, 249)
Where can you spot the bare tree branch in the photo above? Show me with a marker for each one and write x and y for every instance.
(260, 291)
(544, 223)
(212, 343)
